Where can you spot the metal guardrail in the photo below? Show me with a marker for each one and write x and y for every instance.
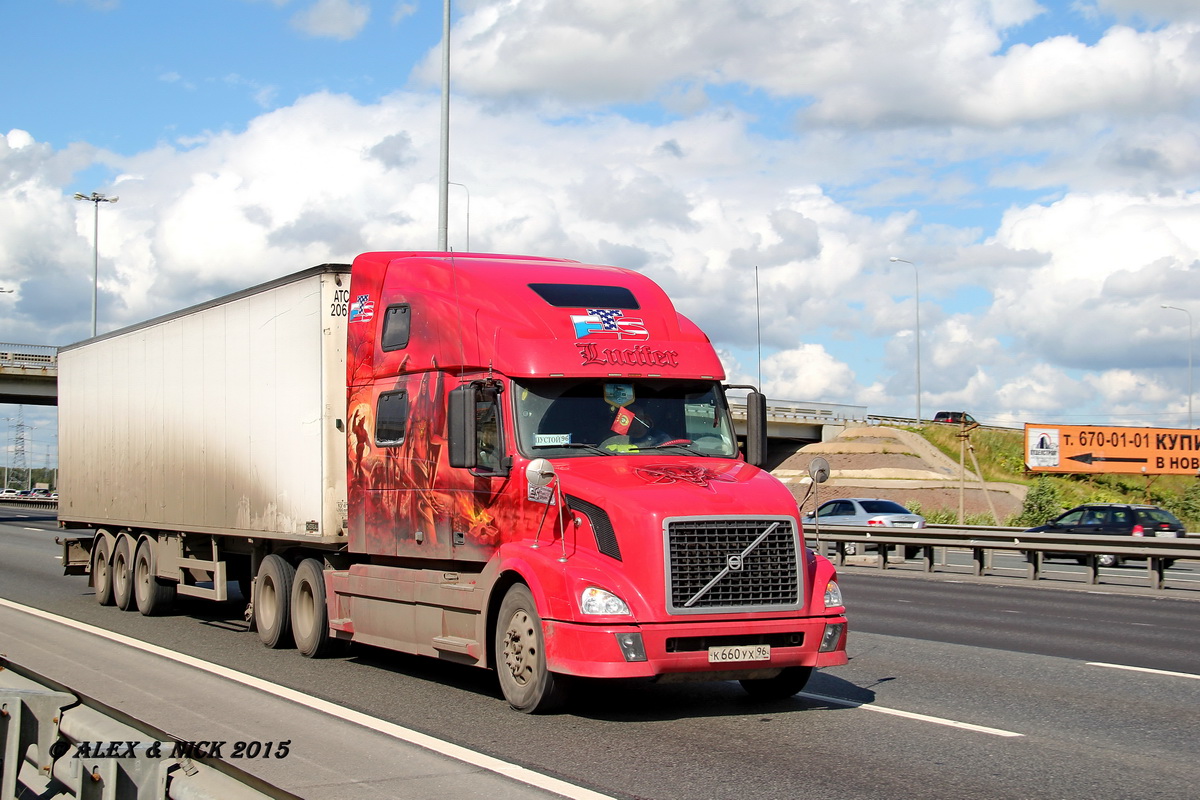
(800, 410)
(27, 502)
(55, 743)
(880, 419)
(981, 540)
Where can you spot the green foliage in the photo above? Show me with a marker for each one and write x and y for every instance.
(1186, 506)
(1042, 503)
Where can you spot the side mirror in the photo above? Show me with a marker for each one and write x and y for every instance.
(818, 470)
(756, 429)
(539, 473)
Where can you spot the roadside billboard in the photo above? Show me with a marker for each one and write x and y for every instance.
(1104, 449)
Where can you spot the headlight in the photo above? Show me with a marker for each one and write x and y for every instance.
(833, 595)
(598, 601)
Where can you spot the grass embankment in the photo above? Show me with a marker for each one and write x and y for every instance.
(1001, 455)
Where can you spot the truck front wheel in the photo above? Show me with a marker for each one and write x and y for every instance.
(787, 683)
(520, 656)
(273, 601)
(310, 615)
(122, 574)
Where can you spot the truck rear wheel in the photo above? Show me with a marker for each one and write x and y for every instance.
(153, 596)
(520, 656)
(122, 574)
(787, 683)
(102, 571)
(310, 615)
(273, 601)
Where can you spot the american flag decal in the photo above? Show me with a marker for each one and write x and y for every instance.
(362, 309)
(608, 323)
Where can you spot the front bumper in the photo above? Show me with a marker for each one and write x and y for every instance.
(677, 648)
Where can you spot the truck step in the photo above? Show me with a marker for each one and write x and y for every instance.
(457, 644)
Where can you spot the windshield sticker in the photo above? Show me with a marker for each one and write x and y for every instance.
(618, 394)
(608, 323)
(551, 439)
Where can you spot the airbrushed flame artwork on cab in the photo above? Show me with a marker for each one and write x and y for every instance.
(405, 498)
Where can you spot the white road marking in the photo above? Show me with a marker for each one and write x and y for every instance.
(454, 751)
(1145, 669)
(910, 715)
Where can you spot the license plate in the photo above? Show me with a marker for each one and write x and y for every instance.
(739, 652)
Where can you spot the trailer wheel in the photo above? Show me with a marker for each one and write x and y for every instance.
(781, 687)
(122, 574)
(102, 571)
(273, 600)
(153, 596)
(520, 656)
(310, 615)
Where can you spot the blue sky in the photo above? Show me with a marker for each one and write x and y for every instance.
(1038, 161)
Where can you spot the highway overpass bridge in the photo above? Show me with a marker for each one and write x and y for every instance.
(29, 376)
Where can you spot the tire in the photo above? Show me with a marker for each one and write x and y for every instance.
(851, 548)
(1108, 561)
(273, 601)
(102, 571)
(781, 687)
(153, 596)
(310, 615)
(520, 656)
(122, 574)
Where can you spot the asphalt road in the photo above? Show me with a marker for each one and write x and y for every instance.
(954, 690)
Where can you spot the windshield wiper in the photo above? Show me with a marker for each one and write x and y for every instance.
(687, 448)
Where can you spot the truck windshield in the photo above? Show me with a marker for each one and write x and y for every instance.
(588, 417)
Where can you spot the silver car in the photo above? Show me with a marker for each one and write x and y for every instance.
(866, 511)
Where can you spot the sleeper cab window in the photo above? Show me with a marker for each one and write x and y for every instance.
(391, 417)
(397, 322)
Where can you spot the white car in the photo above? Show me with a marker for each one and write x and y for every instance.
(866, 511)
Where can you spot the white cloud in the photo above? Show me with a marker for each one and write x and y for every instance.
(1152, 10)
(809, 372)
(334, 19)
(861, 64)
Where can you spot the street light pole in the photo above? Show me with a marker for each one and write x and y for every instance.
(444, 149)
(96, 199)
(1189, 316)
(917, 284)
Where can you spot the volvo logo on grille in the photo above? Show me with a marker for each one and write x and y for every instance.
(734, 562)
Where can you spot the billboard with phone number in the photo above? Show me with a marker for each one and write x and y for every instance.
(1104, 449)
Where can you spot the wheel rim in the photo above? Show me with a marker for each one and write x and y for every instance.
(520, 648)
(141, 573)
(305, 610)
(267, 602)
(103, 575)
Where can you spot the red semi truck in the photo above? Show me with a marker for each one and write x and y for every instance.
(520, 463)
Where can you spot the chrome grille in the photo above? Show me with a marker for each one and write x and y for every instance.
(714, 565)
